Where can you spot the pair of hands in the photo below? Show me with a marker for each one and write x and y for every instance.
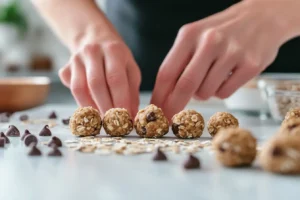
(210, 57)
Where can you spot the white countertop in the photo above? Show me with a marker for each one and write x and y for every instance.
(78, 176)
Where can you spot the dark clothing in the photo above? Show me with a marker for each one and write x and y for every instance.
(149, 28)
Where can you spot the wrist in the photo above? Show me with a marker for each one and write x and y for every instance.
(91, 34)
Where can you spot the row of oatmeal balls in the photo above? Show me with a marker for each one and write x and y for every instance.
(149, 122)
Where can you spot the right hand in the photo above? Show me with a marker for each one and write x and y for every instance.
(102, 73)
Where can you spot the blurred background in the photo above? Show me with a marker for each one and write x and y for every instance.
(29, 48)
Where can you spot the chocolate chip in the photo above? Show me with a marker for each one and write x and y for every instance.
(276, 151)
(2, 135)
(26, 132)
(34, 151)
(175, 128)
(151, 117)
(291, 127)
(8, 114)
(55, 152)
(30, 139)
(2, 142)
(66, 121)
(222, 149)
(192, 163)
(45, 131)
(159, 156)
(12, 131)
(24, 118)
(55, 141)
(144, 130)
(52, 115)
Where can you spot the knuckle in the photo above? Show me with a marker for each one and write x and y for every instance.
(94, 82)
(113, 46)
(213, 36)
(90, 48)
(185, 84)
(75, 58)
(233, 49)
(77, 89)
(252, 62)
(186, 31)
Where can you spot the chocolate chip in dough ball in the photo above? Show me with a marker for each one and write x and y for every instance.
(292, 114)
(151, 122)
(290, 127)
(221, 120)
(86, 121)
(188, 124)
(234, 147)
(281, 155)
(117, 122)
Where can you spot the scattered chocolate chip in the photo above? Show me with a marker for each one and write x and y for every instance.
(4, 118)
(151, 117)
(26, 132)
(45, 131)
(52, 115)
(291, 127)
(2, 142)
(276, 151)
(30, 139)
(12, 131)
(222, 149)
(2, 135)
(144, 130)
(55, 152)
(34, 151)
(24, 118)
(192, 163)
(55, 141)
(159, 156)
(8, 114)
(175, 128)
(66, 121)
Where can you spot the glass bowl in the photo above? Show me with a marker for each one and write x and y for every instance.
(281, 97)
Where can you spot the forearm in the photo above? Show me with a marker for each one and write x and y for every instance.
(73, 20)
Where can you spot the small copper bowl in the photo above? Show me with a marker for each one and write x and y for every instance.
(21, 93)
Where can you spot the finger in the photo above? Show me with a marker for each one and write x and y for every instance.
(194, 73)
(65, 75)
(79, 87)
(94, 62)
(171, 68)
(134, 77)
(219, 72)
(116, 75)
(239, 77)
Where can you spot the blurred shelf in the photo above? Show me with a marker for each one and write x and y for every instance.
(50, 74)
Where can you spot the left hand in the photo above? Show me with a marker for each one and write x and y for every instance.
(217, 55)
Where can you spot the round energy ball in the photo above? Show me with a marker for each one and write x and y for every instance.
(188, 124)
(86, 121)
(117, 122)
(292, 114)
(281, 155)
(150, 122)
(221, 120)
(234, 147)
(290, 127)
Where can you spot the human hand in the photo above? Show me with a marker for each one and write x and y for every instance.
(103, 73)
(217, 55)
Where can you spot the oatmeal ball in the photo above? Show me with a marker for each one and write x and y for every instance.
(117, 122)
(86, 121)
(281, 155)
(221, 120)
(150, 122)
(292, 114)
(290, 127)
(188, 124)
(234, 147)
